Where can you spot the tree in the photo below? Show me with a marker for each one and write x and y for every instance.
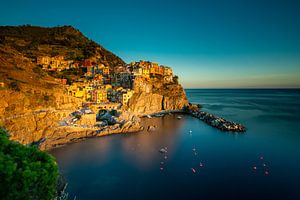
(26, 172)
(175, 79)
(14, 86)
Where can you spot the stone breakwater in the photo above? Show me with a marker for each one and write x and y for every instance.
(218, 122)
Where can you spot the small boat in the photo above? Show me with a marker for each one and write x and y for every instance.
(161, 169)
(149, 116)
(193, 170)
(201, 164)
(254, 168)
(266, 173)
(162, 163)
(163, 150)
(179, 117)
(159, 115)
(166, 157)
(261, 158)
(190, 131)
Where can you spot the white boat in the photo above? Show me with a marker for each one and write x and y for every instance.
(163, 150)
(179, 117)
(149, 116)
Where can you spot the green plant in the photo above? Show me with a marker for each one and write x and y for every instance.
(175, 79)
(26, 172)
(113, 112)
(15, 85)
(78, 116)
(46, 98)
(39, 71)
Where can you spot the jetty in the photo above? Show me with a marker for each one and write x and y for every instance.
(214, 121)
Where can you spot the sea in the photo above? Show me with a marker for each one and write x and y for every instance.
(198, 161)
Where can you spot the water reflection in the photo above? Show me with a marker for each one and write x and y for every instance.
(137, 149)
(142, 148)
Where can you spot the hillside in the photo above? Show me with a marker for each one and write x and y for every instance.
(36, 104)
(33, 41)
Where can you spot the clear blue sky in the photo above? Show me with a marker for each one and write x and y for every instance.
(213, 43)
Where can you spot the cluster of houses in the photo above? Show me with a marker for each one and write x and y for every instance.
(102, 84)
(148, 69)
(56, 63)
(90, 91)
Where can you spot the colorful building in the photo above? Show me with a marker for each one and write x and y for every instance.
(167, 71)
(105, 70)
(101, 96)
(126, 96)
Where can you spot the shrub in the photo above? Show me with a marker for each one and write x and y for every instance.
(175, 79)
(39, 71)
(113, 112)
(26, 172)
(14, 86)
(46, 98)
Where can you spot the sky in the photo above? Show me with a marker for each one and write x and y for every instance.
(209, 44)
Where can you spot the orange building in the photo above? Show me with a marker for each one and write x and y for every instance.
(105, 70)
(43, 60)
(156, 69)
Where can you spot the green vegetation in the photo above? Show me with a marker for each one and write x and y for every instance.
(46, 98)
(26, 172)
(39, 71)
(113, 112)
(15, 85)
(175, 79)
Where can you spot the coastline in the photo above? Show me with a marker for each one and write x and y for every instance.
(67, 135)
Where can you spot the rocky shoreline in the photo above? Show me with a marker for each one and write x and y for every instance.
(68, 130)
(70, 134)
(66, 135)
(215, 121)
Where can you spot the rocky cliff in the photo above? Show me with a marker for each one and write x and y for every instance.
(153, 95)
(32, 103)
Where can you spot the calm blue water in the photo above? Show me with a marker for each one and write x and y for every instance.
(128, 166)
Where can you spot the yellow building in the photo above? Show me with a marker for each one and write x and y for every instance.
(126, 96)
(55, 63)
(43, 60)
(72, 89)
(101, 96)
(108, 87)
(80, 93)
(146, 72)
(105, 70)
(167, 71)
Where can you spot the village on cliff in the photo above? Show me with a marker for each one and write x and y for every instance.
(99, 84)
